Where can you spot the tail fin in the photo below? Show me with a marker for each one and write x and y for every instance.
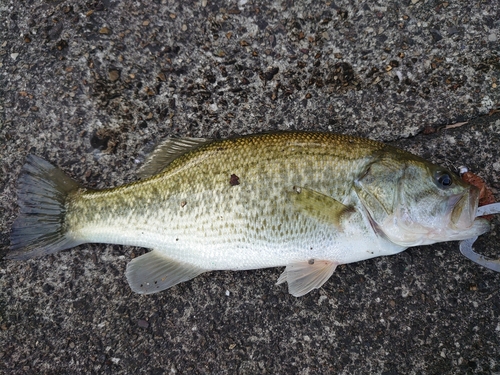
(40, 228)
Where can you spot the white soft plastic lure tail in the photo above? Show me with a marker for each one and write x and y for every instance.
(466, 245)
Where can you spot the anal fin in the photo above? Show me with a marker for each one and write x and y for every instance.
(304, 276)
(154, 272)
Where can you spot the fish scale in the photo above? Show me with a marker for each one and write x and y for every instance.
(212, 204)
(307, 201)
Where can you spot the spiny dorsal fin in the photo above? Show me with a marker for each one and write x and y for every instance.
(306, 275)
(166, 152)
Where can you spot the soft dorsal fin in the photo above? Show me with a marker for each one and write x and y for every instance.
(319, 206)
(166, 152)
(306, 275)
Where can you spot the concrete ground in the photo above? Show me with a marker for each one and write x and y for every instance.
(92, 85)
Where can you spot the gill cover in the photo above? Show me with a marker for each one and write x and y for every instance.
(377, 188)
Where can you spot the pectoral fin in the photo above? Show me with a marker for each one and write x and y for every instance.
(154, 272)
(304, 276)
(319, 206)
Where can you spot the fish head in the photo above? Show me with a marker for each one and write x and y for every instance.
(413, 202)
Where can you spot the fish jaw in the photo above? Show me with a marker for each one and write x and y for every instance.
(405, 236)
(479, 226)
(463, 223)
(463, 212)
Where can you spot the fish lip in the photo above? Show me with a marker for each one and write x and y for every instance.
(464, 208)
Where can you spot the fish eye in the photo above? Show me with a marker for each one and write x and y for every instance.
(443, 180)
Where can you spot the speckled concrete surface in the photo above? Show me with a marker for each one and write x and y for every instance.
(91, 86)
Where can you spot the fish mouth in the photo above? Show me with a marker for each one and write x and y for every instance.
(464, 208)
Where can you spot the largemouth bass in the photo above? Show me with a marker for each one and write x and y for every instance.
(306, 201)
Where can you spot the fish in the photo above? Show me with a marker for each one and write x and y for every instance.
(306, 201)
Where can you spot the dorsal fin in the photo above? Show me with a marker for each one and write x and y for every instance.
(166, 152)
